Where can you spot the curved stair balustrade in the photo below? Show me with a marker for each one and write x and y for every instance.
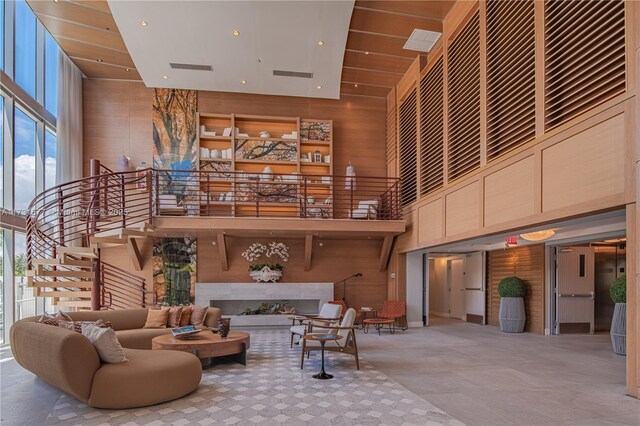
(69, 224)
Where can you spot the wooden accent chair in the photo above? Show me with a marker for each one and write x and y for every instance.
(341, 303)
(395, 310)
(346, 345)
(329, 315)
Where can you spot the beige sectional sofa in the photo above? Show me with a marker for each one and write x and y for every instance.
(67, 360)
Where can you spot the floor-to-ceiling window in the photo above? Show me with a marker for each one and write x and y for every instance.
(28, 146)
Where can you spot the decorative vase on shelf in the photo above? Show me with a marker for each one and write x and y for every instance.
(267, 174)
(223, 326)
(266, 274)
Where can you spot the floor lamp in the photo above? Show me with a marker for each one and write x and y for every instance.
(344, 286)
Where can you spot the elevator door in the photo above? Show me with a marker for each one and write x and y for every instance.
(575, 286)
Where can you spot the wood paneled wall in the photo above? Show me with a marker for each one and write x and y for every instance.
(117, 121)
(526, 263)
(331, 262)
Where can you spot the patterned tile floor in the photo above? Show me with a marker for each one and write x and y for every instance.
(272, 390)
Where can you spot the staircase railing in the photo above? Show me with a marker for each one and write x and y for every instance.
(70, 214)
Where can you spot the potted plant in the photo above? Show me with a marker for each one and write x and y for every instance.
(512, 291)
(618, 331)
(263, 271)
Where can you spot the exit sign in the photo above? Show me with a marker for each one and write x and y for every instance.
(512, 240)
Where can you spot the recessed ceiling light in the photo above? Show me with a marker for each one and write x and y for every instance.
(236, 33)
(366, 53)
(143, 23)
(100, 60)
(56, 1)
(355, 85)
(165, 77)
(318, 87)
(320, 43)
(244, 81)
(127, 69)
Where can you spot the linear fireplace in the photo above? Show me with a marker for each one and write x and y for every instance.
(233, 298)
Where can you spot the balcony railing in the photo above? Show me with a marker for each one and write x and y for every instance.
(241, 194)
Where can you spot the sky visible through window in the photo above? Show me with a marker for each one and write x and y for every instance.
(24, 160)
(50, 74)
(25, 48)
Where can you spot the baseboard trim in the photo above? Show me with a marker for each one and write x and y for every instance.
(415, 324)
(440, 314)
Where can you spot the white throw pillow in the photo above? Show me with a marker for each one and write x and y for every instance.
(105, 342)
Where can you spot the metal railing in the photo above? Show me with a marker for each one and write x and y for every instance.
(69, 214)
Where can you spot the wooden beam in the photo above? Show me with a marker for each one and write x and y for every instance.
(387, 244)
(308, 249)
(222, 247)
(134, 253)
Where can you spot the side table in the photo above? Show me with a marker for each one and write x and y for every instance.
(323, 339)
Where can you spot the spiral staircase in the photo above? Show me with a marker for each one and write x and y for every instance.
(69, 226)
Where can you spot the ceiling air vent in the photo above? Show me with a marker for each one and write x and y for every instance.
(293, 74)
(194, 67)
(422, 40)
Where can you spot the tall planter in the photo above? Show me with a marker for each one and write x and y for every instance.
(512, 291)
(619, 329)
(512, 315)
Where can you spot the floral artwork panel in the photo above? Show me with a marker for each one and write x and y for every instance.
(315, 131)
(252, 149)
(175, 129)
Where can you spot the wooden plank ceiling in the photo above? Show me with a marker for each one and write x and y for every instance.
(87, 32)
(374, 59)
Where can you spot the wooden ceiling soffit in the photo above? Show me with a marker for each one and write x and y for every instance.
(390, 24)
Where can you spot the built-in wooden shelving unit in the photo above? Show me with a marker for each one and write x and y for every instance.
(245, 148)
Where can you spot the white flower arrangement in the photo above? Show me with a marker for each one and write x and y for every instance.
(279, 250)
(256, 250)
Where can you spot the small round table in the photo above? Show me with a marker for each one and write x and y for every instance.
(363, 315)
(323, 339)
(378, 323)
(208, 345)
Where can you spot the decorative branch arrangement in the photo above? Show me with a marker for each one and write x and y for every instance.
(251, 149)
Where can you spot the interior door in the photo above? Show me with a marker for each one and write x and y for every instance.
(474, 287)
(456, 288)
(575, 290)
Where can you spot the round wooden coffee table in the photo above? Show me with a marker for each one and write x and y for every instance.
(208, 345)
(378, 323)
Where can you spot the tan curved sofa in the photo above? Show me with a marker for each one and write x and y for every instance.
(67, 360)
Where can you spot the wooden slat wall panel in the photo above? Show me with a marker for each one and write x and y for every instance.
(392, 137)
(408, 148)
(585, 56)
(510, 75)
(527, 263)
(432, 130)
(463, 85)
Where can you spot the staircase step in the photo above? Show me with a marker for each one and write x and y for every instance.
(65, 293)
(77, 251)
(54, 261)
(79, 263)
(74, 303)
(61, 284)
(65, 274)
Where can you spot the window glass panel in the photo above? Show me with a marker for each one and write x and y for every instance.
(2, 35)
(1, 286)
(50, 74)
(24, 166)
(50, 153)
(24, 296)
(1, 153)
(25, 48)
